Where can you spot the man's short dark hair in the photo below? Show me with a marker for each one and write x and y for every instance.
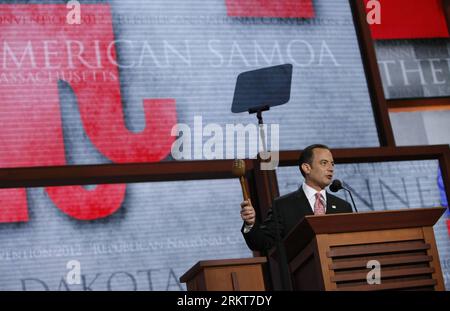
(307, 155)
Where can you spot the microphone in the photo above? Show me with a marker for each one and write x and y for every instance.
(336, 185)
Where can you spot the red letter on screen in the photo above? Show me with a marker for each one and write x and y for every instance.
(270, 8)
(37, 45)
(406, 19)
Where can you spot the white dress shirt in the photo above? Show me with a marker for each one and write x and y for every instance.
(310, 195)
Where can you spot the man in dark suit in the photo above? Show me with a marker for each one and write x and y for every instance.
(317, 167)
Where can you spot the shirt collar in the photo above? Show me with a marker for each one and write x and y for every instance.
(311, 192)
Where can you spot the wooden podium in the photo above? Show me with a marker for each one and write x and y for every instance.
(331, 252)
(244, 274)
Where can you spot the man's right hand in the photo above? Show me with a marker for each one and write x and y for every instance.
(248, 214)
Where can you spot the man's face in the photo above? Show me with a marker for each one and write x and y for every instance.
(319, 173)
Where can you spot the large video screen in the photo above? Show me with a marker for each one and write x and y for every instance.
(157, 232)
(134, 76)
(414, 68)
(124, 85)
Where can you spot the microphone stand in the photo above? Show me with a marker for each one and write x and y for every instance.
(351, 197)
(283, 266)
(337, 185)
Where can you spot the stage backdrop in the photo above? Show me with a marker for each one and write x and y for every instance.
(110, 90)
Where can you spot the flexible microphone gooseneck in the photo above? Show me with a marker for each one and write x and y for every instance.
(336, 185)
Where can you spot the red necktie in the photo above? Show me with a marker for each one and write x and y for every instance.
(319, 209)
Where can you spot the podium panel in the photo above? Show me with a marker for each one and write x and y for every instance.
(244, 274)
(338, 252)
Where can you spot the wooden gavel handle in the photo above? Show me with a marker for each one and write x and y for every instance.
(244, 188)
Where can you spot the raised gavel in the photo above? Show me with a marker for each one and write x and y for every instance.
(238, 170)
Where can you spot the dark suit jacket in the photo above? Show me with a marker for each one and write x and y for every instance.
(290, 208)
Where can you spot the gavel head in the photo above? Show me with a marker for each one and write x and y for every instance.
(238, 169)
